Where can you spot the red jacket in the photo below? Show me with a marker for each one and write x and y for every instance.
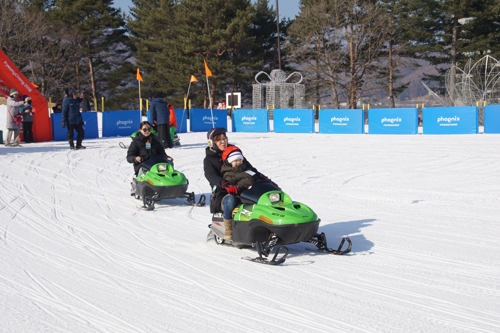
(173, 118)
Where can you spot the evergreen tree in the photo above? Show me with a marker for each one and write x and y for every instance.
(98, 39)
(394, 53)
(173, 38)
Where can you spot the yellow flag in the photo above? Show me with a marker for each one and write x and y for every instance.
(138, 76)
(193, 79)
(208, 72)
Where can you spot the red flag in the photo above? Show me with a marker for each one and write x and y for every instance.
(138, 76)
(208, 72)
(193, 79)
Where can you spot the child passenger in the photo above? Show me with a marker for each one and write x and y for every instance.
(235, 169)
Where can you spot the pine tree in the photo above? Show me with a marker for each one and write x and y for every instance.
(98, 39)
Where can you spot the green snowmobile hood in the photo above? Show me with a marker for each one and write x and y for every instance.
(281, 212)
(161, 174)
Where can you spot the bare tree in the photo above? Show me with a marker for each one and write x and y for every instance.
(341, 41)
(18, 29)
(316, 44)
(39, 48)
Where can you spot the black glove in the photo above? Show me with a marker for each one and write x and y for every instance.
(63, 124)
(230, 188)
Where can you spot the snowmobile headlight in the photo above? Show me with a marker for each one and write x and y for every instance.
(162, 167)
(274, 197)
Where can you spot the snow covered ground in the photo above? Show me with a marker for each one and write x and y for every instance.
(77, 254)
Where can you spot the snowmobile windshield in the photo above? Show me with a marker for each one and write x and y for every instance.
(253, 194)
(148, 164)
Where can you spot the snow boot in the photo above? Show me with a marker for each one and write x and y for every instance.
(228, 234)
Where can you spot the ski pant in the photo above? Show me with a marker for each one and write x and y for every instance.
(229, 203)
(173, 130)
(79, 131)
(164, 133)
(10, 132)
(28, 131)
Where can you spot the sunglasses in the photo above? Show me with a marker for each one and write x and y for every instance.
(146, 129)
(221, 140)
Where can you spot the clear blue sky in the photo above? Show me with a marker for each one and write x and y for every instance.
(287, 8)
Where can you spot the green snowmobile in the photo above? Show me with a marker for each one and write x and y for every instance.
(158, 180)
(268, 218)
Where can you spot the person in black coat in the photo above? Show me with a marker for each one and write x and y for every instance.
(160, 115)
(143, 146)
(72, 118)
(224, 193)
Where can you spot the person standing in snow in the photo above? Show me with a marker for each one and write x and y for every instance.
(160, 114)
(84, 102)
(224, 193)
(14, 118)
(27, 112)
(72, 118)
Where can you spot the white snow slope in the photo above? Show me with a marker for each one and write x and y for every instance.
(78, 254)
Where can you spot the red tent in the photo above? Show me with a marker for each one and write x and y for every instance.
(11, 77)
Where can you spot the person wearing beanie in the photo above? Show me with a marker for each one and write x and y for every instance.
(224, 193)
(72, 117)
(27, 112)
(14, 118)
(235, 169)
(57, 108)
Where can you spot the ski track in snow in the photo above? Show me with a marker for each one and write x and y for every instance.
(78, 254)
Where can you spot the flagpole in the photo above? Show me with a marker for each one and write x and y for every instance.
(138, 77)
(208, 73)
(185, 103)
(140, 100)
(210, 102)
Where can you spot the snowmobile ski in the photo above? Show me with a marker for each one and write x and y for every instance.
(274, 261)
(319, 240)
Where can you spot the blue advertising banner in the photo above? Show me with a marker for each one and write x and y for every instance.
(450, 120)
(120, 123)
(293, 121)
(90, 127)
(492, 119)
(341, 121)
(181, 116)
(393, 121)
(250, 120)
(201, 119)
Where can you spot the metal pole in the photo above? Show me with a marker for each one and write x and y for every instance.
(278, 37)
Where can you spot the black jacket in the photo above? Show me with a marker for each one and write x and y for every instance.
(138, 148)
(212, 164)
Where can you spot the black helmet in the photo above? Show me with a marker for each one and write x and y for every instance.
(212, 133)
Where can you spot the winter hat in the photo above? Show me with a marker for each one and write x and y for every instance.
(211, 134)
(235, 156)
(58, 103)
(231, 154)
(13, 92)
